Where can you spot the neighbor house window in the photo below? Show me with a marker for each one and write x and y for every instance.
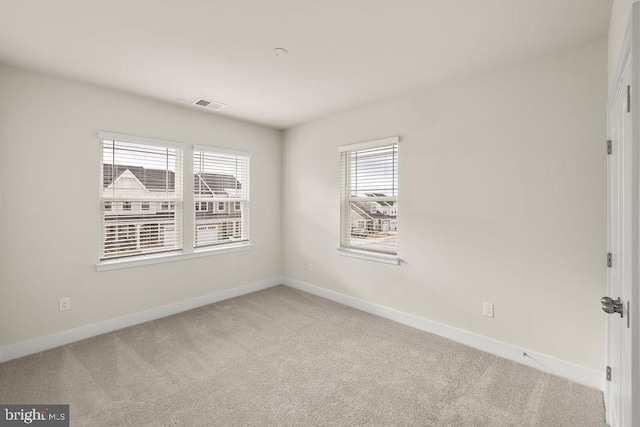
(143, 171)
(369, 180)
(221, 177)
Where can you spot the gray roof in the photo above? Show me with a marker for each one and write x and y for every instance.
(152, 179)
(363, 209)
(207, 184)
(380, 195)
(159, 179)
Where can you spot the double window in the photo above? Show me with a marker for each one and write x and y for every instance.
(142, 204)
(369, 197)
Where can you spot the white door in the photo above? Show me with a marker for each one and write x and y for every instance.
(620, 243)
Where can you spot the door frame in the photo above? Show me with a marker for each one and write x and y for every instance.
(631, 51)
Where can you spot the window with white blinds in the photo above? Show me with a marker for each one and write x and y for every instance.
(140, 196)
(221, 196)
(369, 196)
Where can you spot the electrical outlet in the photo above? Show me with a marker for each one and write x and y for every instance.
(65, 303)
(311, 267)
(487, 309)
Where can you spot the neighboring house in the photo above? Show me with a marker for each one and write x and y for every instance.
(373, 217)
(144, 222)
(388, 208)
(216, 220)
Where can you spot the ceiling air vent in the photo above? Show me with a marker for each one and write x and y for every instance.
(209, 104)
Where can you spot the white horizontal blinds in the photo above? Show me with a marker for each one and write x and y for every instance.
(221, 197)
(141, 199)
(369, 208)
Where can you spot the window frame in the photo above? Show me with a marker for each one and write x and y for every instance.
(230, 239)
(346, 199)
(188, 251)
(132, 205)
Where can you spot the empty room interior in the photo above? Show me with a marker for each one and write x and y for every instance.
(300, 213)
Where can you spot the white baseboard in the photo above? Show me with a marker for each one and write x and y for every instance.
(37, 345)
(561, 368)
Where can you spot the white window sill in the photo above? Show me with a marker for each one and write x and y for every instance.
(370, 256)
(117, 264)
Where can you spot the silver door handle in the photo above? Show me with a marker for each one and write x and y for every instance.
(611, 306)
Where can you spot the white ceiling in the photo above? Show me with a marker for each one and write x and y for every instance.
(342, 53)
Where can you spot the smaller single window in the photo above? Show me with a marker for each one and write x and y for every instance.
(369, 186)
(164, 206)
(126, 206)
(221, 207)
(237, 207)
(107, 206)
(145, 206)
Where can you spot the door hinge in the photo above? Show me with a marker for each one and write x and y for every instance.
(609, 147)
(609, 260)
(608, 373)
(628, 98)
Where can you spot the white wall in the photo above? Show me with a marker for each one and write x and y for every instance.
(501, 199)
(49, 231)
(620, 14)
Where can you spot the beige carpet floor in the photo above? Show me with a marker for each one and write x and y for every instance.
(281, 357)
